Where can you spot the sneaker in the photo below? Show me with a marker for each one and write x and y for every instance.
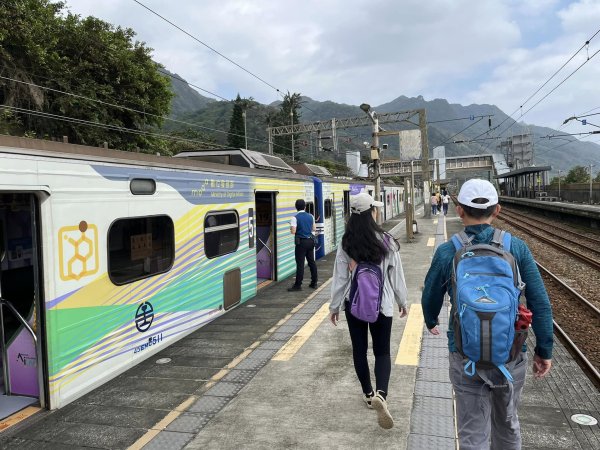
(295, 288)
(384, 418)
(367, 398)
(313, 285)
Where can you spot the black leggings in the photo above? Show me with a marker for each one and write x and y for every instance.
(381, 332)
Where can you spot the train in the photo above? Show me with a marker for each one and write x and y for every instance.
(107, 257)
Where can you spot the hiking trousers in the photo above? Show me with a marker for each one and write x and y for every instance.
(487, 414)
(381, 332)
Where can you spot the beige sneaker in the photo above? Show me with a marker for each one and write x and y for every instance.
(384, 418)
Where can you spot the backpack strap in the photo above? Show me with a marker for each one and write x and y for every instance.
(461, 240)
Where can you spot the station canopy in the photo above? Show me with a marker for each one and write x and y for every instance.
(524, 171)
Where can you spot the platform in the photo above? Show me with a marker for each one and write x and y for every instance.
(275, 373)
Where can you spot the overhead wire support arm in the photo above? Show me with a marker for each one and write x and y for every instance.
(329, 125)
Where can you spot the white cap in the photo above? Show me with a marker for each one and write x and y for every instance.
(478, 189)
(362, 202)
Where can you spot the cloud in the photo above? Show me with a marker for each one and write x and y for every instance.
(352, 51)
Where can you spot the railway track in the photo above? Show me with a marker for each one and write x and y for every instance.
(575, 326)
(591, 261)
(591, 244)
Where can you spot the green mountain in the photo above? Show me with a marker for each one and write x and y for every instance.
(446, 123)
(186, 98)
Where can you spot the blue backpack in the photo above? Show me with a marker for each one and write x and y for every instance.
(366, 289)
(486, 288)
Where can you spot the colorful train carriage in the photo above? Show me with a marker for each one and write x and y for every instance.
(103, 252)
(108, 257)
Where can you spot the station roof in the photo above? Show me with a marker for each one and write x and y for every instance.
(524, 171)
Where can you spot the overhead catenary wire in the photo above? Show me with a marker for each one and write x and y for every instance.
(209, 47)
(77, 121)
(175, 77)
(262, 80)
(547, 81)
(553, 89)
(126, 108)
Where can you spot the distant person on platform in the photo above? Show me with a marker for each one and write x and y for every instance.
(434, 203)
(303, 227)
(445, 202)
(486, 402)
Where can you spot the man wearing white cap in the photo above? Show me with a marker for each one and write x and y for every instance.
(486, 400)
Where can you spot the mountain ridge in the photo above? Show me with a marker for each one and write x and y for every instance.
(447, 122)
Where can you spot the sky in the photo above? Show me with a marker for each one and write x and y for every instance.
(373, 51)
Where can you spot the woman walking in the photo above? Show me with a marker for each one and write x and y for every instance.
(365, 241)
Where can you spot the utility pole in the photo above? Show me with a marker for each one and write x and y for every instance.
(292, 118)
(559, 171)
(425, 164)
(591, 198)
(375, 154)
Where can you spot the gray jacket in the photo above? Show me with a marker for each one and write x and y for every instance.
(394, 286)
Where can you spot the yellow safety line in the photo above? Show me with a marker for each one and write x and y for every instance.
(162, 424)
(410, 345)
(297, 341)
(18, 417)
(431, 242)
(172, 415)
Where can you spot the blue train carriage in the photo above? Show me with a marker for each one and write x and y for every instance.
(109, 256)
(332, 207)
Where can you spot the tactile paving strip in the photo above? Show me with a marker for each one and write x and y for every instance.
(209, 405)
(432, 425)
(261, 354)
(169, 440)
(434, 352)
(438, 375)
(419, 442)
(433, 405)
(433, 389)
(240, 376)
(224, 389)
(189, 423)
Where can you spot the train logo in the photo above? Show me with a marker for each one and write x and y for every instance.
(78, 251)
(144, 317)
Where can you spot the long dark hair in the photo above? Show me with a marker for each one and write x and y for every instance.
(361, 241)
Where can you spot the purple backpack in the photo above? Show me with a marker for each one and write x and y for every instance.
(366, 291)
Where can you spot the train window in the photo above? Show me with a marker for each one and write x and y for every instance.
(310, 208)
(142, 186)
(328, 208)
(221, 233)
(140, 247)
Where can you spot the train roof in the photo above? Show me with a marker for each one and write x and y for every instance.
(60, 150)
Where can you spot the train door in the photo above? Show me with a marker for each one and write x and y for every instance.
(21, 380)
(266, 234)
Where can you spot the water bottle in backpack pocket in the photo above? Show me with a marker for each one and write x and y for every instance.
(486, 290)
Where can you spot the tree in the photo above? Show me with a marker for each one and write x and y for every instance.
(577, 174)
(236, 135)
(288, 113)
(100, 64)
(597, 179)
